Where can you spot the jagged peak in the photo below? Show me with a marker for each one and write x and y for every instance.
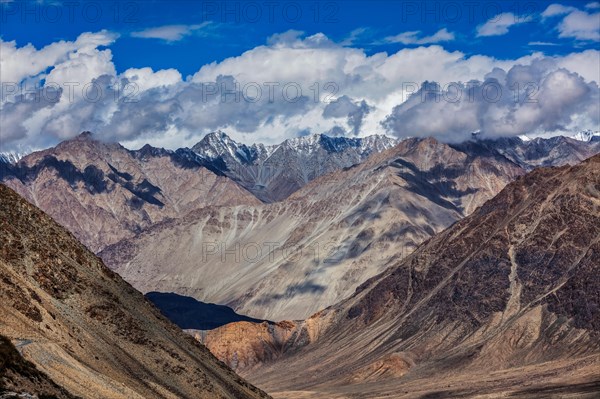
(219, 140)
(12, 157)
(586, 135)
(85, 135)
(216, 136)
(148, 150)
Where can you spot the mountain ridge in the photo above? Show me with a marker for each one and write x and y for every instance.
(103, 192)
(86, 328)
(274, 172)
(504, 302)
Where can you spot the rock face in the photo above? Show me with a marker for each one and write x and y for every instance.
(504, 302)
(273, 173)
(85, 328)
(287, 260)
(103, 193)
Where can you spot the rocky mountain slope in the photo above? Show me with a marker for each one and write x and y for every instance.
(18, 374)
(86, 329)
(287, 260)
(273, 173)
(505, 303)
(103, 193)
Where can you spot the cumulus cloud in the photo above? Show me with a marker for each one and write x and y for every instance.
(525, 99)
(18, 63)
(13, 113)
(285, 39)
(593, 5)
(145, 78)
(171, 33)
(500, 24)
(261, 96)
(345, 107)
(413, 37)
(586, 64)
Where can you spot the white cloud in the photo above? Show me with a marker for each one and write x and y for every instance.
(554, 10)
(170, 33)
(413, 37)
(145, 78)
(542, 44)
(593, 5)
(500, 24)
(581, 26)
(342, 88)
(354, 36)
(286, 38)
(550, 99)
(18, 63)
(82, 67)
(586, 64)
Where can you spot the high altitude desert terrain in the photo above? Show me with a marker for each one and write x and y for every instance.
(299, 199)
(190, 222)
(87, 330)
(503, 303)
(378, 272)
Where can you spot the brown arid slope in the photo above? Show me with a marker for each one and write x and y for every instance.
(88, 330)
(505, 303)
(20, 375)
(287, 260)
(103, 193)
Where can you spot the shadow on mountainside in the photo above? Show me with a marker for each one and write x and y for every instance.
(191, 314)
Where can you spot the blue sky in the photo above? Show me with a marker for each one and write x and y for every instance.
(164, 71)
(232, 27)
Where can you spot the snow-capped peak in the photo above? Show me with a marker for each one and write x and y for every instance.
(12, 157)
(217, 145)
(586, 135)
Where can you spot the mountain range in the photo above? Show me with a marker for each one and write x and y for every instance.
(103, 192)
(504, 303)
(189, 222)
(286, 260)
(272, 173)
